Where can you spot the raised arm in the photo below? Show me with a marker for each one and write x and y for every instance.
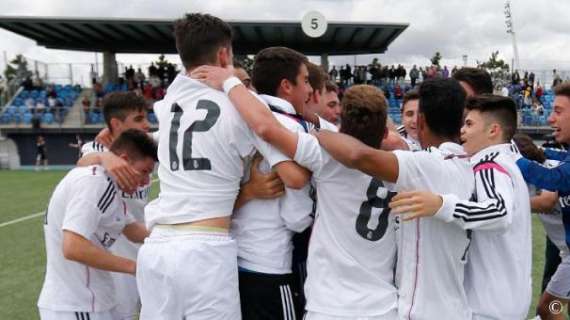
(552, 179)
(355, 154)
(555, 154)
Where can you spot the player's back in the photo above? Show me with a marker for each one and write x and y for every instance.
(431, 252)
(202, 141)
(352, 250)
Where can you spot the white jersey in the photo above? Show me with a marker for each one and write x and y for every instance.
(352, 252)
(135, 201)
(500, 253)
(84, 202)
(432, 253)
(413, 144)
(264, 229)
(202, 144)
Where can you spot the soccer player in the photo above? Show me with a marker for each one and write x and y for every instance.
(324, 100)
(443, 246)
(498, 215)
(84, 218)
(474, 81)
(431, 253)
(122, 111)
(264, 229)
(409, 128)
(353, 248)
(187, 268)
(555, 179)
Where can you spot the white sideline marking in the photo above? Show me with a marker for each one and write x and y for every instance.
(35, 215)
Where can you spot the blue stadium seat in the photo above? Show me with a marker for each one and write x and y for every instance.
(47, 118)
(27, 118)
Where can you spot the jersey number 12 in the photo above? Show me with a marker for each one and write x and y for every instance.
(189, 163)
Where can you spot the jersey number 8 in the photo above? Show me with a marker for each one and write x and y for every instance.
(373, 201)
(189, 163)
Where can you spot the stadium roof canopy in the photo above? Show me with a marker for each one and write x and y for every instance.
(155, 36)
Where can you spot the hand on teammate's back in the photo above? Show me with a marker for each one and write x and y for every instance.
(213, 76)
(263, 185)
(127, 178)
(416, 204)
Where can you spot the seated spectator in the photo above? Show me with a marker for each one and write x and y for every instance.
(86, 103)
(147, 91)
(52, 102)
(98, 89)
(398, 93)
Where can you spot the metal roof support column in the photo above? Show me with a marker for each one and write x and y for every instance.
(325, 61)
(110, 68)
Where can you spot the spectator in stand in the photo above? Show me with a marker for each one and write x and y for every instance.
(556, 78)
(531, 77)
(152, 70)
(392, 74)
(51, 103)
(474, 81)
(139, 78)
(414, 75)
(401, 73)
(539, 91)
(147, 91)
(398, 92)
(86, 104)
(445, 72)
(423, 73)
(454, 70)
(98, 88)
(93, 75)
(333, 74)
(515, 78)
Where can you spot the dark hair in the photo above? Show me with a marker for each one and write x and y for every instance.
(442, 102)
(528, 149)
(274, 64)
(136, 144)
(562, 89)
(409, 96)
(502, 109)
(317, 77)
(198, 38)
(331, 86)
(364, 114)
(478, 79)
(118, 105)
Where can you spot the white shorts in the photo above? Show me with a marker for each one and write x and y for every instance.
(46, 314)
(188, 275)
(310, 315)
(559, 284)
(126, 292)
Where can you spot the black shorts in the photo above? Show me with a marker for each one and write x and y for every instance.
(269, 296)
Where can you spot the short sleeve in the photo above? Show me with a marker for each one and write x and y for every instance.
(82, 214)
(413, 168)
(269, 152)
(309, 153)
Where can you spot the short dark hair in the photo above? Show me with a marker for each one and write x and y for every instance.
(442, 102)
(502, 109)
(198, 38)
(409, 96)
(331, 86)
(478, 79)
(118, 105)
(317, 77)
(136, 144)
(274, 64)
(562, 89)
(364, 114)
(528, 149)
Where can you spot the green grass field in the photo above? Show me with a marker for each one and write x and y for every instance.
(22, 258)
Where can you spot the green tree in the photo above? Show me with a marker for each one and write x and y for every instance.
(17, 69)
(497, 68)
(436, 59)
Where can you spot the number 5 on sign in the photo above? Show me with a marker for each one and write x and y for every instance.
(314, 24)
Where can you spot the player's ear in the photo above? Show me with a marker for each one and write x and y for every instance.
(224, 56)
(285, 86)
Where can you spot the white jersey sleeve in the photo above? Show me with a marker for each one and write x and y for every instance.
(82, 213)
(92, 146)
(494, 205)
(309, 153)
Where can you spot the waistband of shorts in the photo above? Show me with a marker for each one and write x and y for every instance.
(166, 232)
(188, 227)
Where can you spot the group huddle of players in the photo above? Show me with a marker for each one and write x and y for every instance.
(268, 209)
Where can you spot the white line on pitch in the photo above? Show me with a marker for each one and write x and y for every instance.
(35, 215)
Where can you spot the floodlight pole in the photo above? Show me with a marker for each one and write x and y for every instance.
(511, 30)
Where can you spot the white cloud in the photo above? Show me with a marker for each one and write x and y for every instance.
(452, 27)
